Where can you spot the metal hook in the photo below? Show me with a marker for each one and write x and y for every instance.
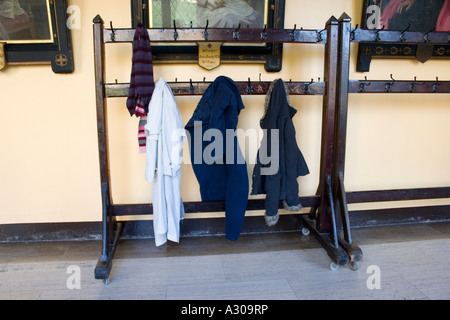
(362, 85)
(236, 33)
(191, 86)
(113, 32)
(412, 85)
(319, 35)
(306, 86)
(388, 85)
(425, 37)
(377, 36)
(249, 88)
(292, 33)
(264, 34)
(402, 34)
(205, 33)
(436, 85)
(175, 33)
(352, 33)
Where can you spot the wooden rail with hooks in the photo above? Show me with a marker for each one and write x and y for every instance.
(391, 36)
(245, 88)
(245, 35)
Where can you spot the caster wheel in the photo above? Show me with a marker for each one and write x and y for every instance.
(334, 266)
(106, 281)
(305, 231)
(353, 265)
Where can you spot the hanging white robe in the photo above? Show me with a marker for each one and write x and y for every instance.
(165, 137)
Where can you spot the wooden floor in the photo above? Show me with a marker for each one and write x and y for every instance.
(413, 261)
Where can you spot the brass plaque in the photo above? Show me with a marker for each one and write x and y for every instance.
(209, 54)
(2, 55)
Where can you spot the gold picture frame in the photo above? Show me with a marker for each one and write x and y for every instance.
(36, 32)
(173, 14)
(26, 21)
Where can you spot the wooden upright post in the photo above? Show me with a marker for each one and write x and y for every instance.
(323, 221)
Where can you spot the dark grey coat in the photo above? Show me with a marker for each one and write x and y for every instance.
(279, 182)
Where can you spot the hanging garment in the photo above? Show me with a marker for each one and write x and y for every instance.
(141, 80)
(165, 137)
(279, 161)
(216, 158)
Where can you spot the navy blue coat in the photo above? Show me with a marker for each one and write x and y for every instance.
(282, 183)
(221, 172)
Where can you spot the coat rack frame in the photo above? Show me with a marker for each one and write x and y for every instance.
(329, 219)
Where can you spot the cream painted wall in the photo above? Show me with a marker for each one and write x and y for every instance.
(49, 160)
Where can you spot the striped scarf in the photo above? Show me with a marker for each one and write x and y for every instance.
(141, 82)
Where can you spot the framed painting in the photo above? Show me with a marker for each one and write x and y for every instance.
(35, 31)
(404, 15)
(214, 14)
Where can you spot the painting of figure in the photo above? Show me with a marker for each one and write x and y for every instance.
(214, 13)
(413, 15)
(25, 21)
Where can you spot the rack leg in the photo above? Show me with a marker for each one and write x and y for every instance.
(354, 252)
(329, 241)
(104, 264)
(337, 255)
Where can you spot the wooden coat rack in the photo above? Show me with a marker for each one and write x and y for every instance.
(329, 214)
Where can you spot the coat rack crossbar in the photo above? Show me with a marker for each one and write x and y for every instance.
(309, 201)
(245, 88)
(244, 35)
(392, 36)
(398, 86)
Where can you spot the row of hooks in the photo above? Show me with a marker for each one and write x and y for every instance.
(249, 88)
(263, 35)
(412, 84)
(402, 37)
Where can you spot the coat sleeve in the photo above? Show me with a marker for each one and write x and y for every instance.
(173, 135)
(153, 130)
